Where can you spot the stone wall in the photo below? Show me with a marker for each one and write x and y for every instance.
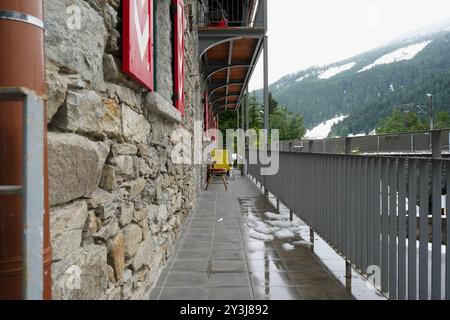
(117, 201)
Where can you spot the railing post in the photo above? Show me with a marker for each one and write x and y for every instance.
(436, 253)
(311, 238)
(348, 265)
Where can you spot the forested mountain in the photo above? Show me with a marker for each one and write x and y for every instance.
(367, 87)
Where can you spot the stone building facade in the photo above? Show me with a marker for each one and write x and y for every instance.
(117, 201)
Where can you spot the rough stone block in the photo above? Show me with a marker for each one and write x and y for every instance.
(75, 166)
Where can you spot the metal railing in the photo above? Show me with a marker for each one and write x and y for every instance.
(31, 190)
(226, 13)
(378, 212)
(408, 143)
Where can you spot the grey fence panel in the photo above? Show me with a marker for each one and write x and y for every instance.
(384, 225)
(422, 142)
(423, 231)
(370, 212)
(447, 253)
(365, 207)
(436, 253)
(412, 229)
(392, 228)
(401, 229)
(377, 213)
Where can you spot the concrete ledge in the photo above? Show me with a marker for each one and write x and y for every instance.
(156, 103)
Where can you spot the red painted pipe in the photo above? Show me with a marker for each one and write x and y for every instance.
(21, 65)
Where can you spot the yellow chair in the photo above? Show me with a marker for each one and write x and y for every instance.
(221, 159)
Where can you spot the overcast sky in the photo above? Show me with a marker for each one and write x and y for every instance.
(303, 33)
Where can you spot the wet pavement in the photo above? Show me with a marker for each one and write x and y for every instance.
(230, 249)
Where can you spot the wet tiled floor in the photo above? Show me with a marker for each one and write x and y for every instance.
(217, 259)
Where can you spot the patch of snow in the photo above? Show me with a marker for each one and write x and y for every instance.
(391, 87)
(275, 216)
(333, 71)
(264, 228)
(282, 224)
(402, 54)
(288, 247)
(323, 130)
(260, 236)
(284, 234)
(351, 135)
(306, 76)
(302, 243)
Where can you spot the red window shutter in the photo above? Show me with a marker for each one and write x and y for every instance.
(138, 42)
(179, 97)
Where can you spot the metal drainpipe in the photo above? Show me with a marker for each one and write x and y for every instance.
(21, 65)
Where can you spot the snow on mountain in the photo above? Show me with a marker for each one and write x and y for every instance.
(402, 54)
(306, 76)
(323, 130)
(331, 72)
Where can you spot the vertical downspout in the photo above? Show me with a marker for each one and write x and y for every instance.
(21, 65)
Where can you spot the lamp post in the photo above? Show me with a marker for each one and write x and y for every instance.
(430, 98)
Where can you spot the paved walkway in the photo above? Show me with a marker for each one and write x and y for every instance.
(217, 257)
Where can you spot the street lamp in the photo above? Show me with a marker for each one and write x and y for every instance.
(430, 98)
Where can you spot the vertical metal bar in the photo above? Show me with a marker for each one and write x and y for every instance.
(348, 199)
(33, 199)
(266, 83)
(412, 229)
(436, 205)
(393, 228)
(353, 212)
(377, 214)
(401, 229)
(447, 253)
(364, 209)
(358, 213)
(370, 211)
(423, 232)
(339, 205)
(384, 226)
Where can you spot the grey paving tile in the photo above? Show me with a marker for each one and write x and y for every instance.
(228, 255)
(262, 255)
(237, 293)
(190, 265)
(324, 293)
(224, 237)
(228, 266)
(198, 237)
(186, 280)
(196, 245)
(266, 265)
(227, 246)
(277, 293)
(154, 294)
(183, 294)
(271, 279)
(226, 279)
(193, 254)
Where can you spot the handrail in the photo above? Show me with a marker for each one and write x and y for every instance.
(409, 143)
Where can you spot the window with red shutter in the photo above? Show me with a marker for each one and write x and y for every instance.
(138, 41)
(179, 97)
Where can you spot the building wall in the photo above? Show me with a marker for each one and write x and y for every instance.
(117, 201)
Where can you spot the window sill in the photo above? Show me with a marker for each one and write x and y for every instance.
(156, 103)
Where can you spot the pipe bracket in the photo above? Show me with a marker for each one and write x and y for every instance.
(21, 17)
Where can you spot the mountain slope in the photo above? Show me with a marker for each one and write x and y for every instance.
(366, 87)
